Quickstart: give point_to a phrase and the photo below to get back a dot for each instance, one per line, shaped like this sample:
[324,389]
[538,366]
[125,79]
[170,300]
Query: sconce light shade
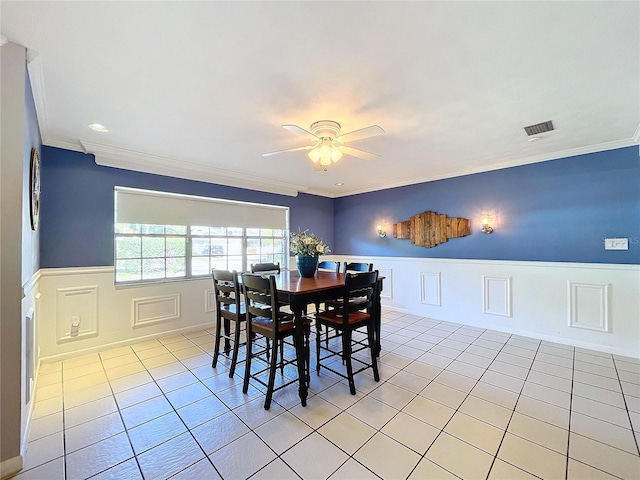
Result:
[486,224]
[381,231]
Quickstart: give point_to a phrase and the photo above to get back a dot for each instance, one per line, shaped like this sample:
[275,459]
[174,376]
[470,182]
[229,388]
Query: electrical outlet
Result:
[616,244]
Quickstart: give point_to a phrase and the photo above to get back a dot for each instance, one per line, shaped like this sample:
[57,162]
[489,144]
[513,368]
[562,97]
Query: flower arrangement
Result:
[308,244]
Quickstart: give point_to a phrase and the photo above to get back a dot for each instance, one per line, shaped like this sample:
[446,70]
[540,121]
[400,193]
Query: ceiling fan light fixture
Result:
[314,155]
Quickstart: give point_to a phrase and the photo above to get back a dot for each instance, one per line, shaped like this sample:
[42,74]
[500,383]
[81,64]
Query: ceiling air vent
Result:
[539,128]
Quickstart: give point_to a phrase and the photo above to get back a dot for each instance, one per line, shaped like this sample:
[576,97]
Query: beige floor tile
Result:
[372,412]
[532,457]
[201,411]
[99,456]
[52,469]
[317,412]
[494,394]
[276,469]
[199,470]
[543,411]
[411,432]
[144,411]
[283,432]
[539,432]
[92,432]
[455,380]
[443,394]
[170,457]
[447,451]
[347,432]
[125,370]
[603,457]
[115,352]
[392,395]
[475,432]
[45,426]
[127,469]
[233,462]
[47,407]
[120,360]
[79,397]
[219,432]
[604,432]
[580,471]
[43,450]
[349,470]
[428,411]
[386,457]
[138,394]
[314,457]
[486,411]
[502,470]
[89,411]
[156,431]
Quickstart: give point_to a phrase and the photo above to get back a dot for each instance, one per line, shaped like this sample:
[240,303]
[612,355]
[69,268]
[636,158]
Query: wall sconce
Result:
[486,224]
[381,231]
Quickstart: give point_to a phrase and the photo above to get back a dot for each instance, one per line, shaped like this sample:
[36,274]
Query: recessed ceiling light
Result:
[98,127]
[339,184]
[534,139]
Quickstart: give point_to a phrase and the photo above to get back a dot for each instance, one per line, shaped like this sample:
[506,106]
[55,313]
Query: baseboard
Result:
[10,467]
[124,343]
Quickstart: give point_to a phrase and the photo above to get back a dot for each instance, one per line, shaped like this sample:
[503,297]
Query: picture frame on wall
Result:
[34,188]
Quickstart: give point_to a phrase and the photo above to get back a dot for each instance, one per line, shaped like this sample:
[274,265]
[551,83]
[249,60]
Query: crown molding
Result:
[130,160]
[636,135]
[36,78]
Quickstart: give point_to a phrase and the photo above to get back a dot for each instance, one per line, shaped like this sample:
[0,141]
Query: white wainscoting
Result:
[526,298]
[123,314]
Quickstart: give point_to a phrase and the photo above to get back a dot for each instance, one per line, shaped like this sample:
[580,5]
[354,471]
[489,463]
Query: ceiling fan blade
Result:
[308,147]
[356,152]
[366,132]
[300,131]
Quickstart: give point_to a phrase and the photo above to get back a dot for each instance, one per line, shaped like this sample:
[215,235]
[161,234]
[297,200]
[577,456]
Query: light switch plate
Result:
[616,244]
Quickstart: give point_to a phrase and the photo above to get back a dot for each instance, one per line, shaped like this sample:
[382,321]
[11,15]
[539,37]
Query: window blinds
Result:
[161,208]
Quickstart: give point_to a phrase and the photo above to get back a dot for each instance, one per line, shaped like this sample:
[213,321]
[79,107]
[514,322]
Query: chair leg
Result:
[372,348]
[346,355]
[227,333]
[318,341]
[216,348]
[236,347]
[272,375]
[247,365]
[307,349]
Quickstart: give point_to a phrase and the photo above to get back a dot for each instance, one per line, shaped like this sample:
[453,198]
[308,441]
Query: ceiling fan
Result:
[328,145]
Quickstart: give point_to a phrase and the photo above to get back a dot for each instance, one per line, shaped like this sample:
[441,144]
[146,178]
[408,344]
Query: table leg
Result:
[301,354]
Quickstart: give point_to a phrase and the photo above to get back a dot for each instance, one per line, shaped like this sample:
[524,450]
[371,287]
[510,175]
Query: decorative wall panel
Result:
[430,289]
[77,313]
[209,301]
[387,283]
[588,306]
[152,310]
[497,295]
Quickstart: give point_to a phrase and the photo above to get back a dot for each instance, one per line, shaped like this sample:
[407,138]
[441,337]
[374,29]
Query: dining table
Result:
[298,292]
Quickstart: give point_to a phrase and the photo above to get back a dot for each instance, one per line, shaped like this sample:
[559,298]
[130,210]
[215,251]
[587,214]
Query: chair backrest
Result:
[360,287]
[328,266]
[227,291]
[357,267]
[260,296]
[265,267]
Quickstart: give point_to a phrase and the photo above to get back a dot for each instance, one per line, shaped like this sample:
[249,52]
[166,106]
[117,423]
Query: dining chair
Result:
[356,312]
[357,267]
[264,318]
[265,268]
[327,266]
[229,308]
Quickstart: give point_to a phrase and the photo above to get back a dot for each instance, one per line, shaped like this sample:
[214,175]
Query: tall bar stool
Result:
[355,312]
[265,319]
[229,308]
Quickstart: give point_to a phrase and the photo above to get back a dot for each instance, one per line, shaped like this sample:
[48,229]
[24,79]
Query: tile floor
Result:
[453,402]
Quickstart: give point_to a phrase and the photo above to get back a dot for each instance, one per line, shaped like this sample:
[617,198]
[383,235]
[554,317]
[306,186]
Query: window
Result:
[181,247]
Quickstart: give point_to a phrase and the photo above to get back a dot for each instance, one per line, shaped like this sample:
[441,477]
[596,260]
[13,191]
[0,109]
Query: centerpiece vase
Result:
[307,265]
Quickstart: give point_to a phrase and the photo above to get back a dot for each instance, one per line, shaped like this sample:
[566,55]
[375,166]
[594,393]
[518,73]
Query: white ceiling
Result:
[199,89]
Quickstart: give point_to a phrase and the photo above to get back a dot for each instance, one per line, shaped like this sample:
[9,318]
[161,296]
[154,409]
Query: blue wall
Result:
[556,211]
[77,206]
[30,238]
